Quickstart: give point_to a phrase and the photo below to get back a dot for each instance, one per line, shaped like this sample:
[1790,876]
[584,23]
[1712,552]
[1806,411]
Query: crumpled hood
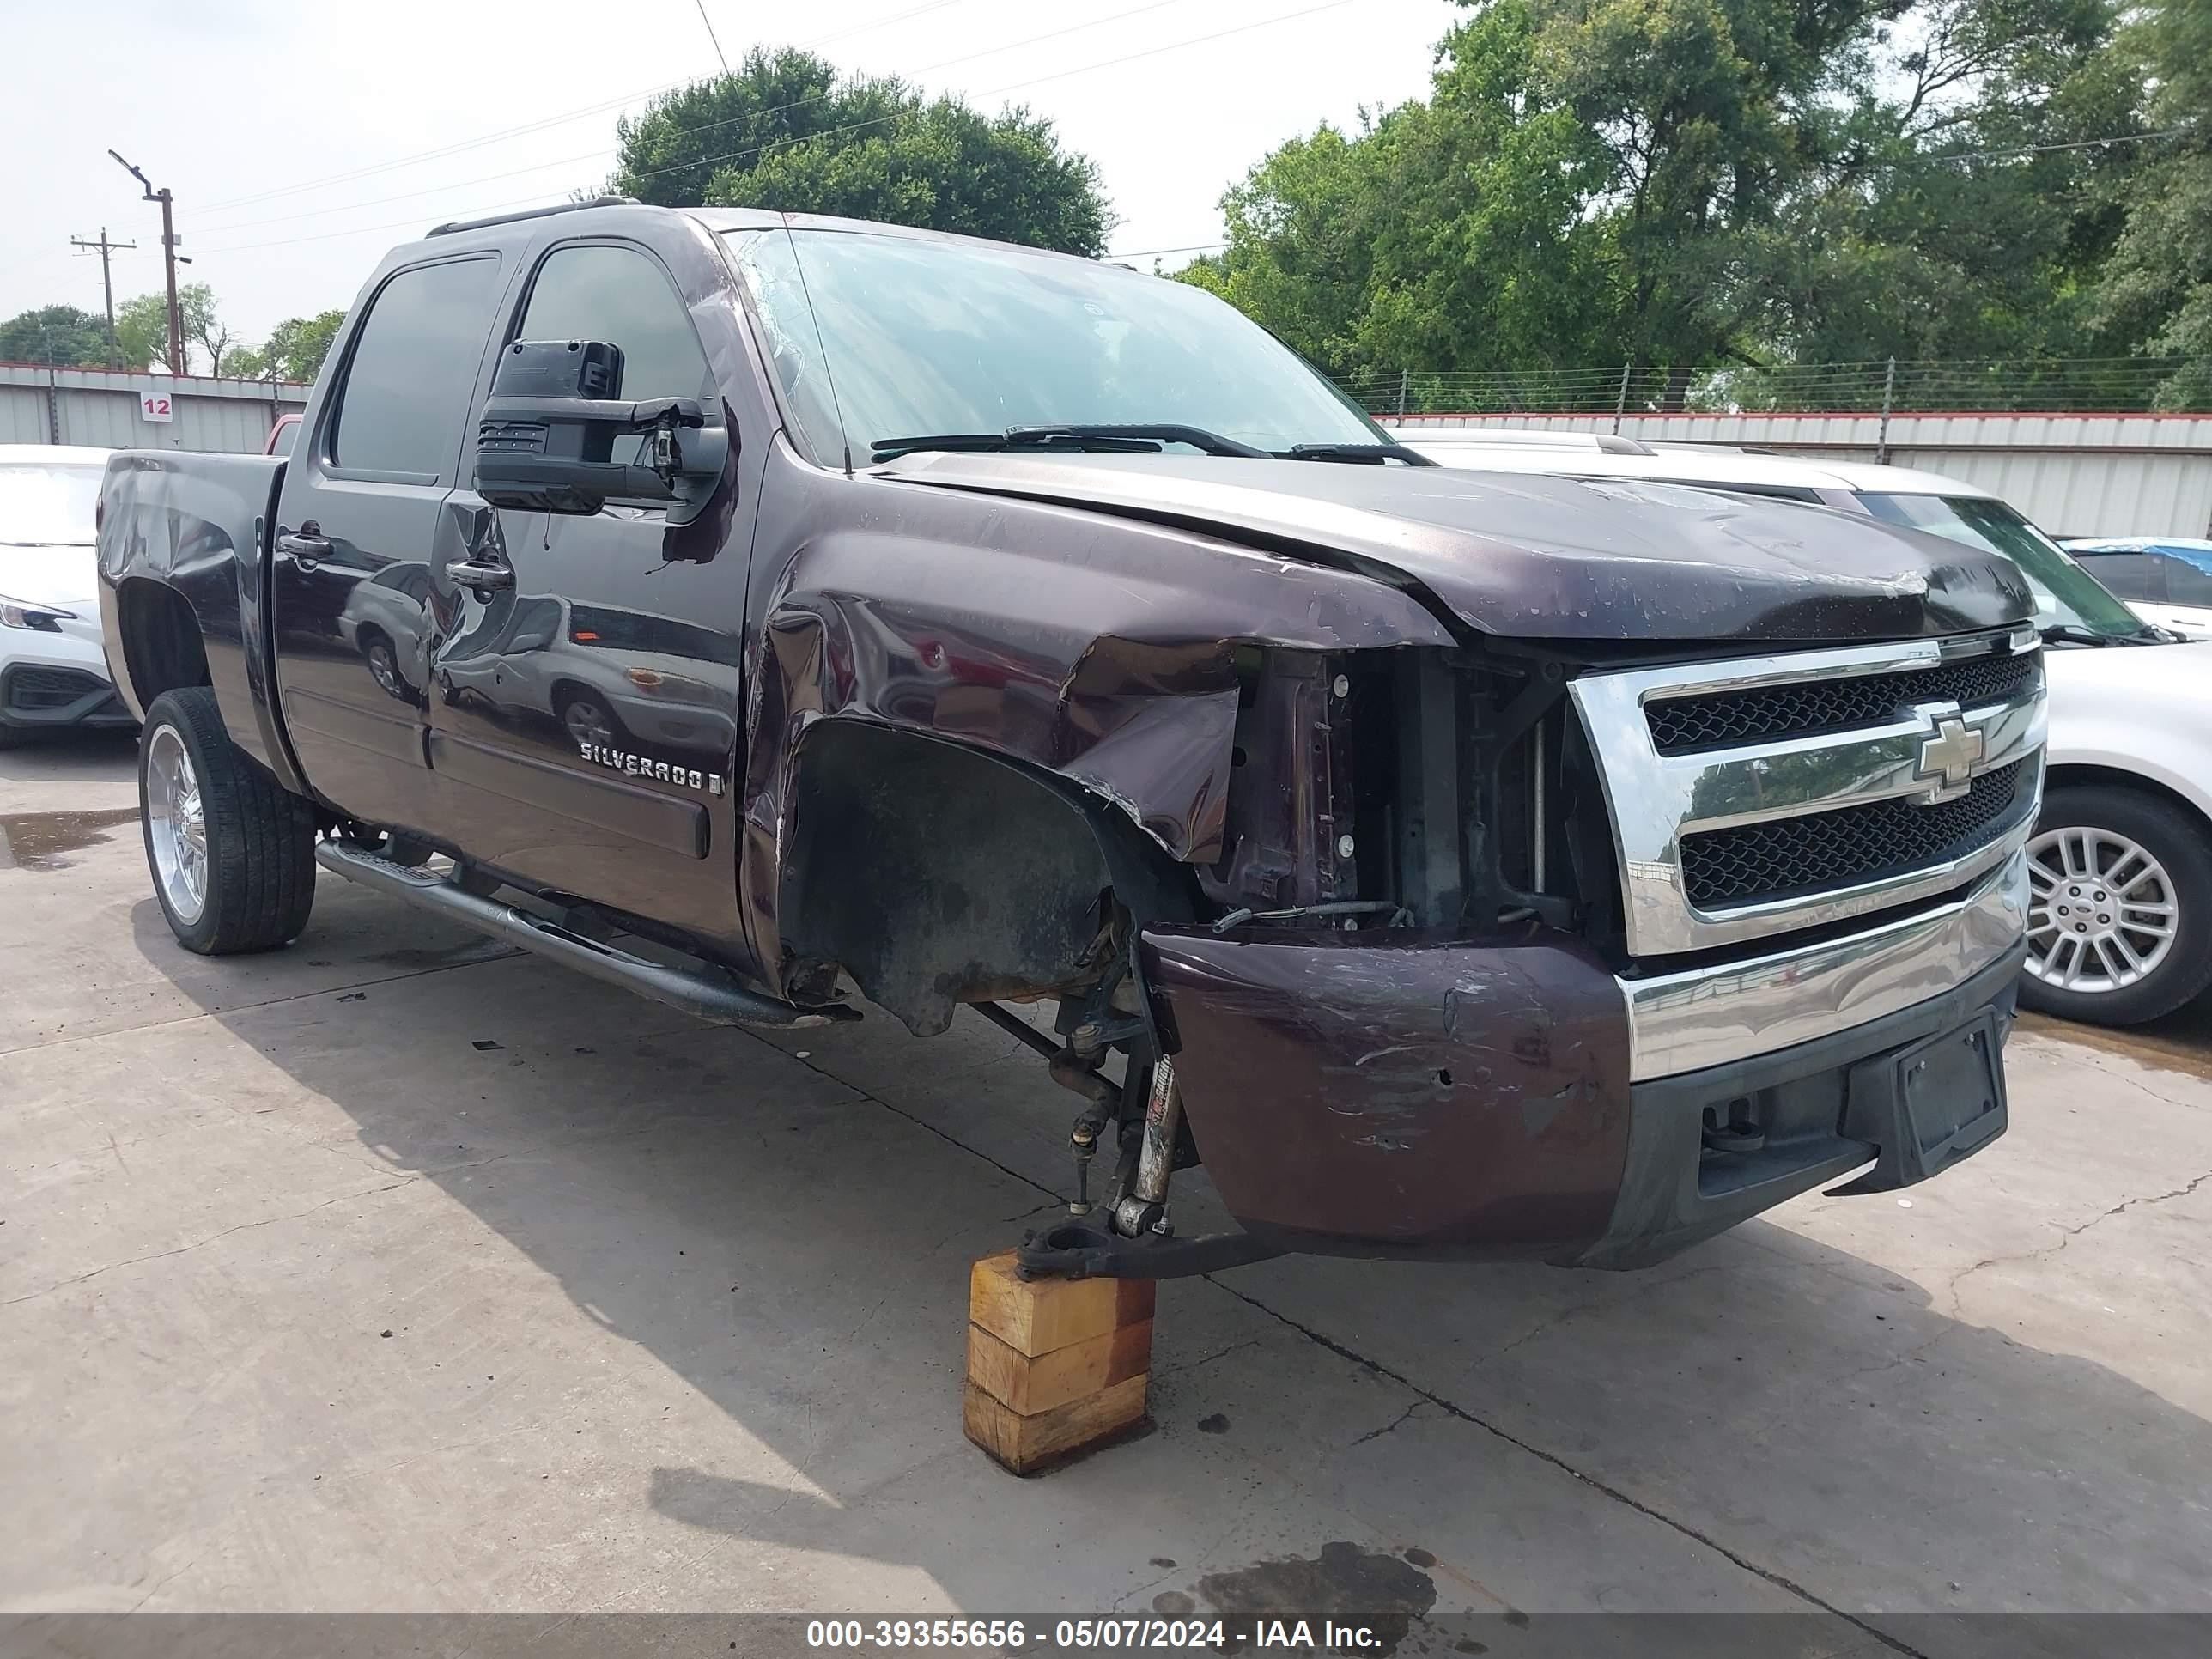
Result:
[66,578]
[1546,558]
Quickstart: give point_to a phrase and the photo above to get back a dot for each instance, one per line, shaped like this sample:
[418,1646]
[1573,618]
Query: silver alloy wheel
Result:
[588,723]
[176,825]
[2101,914]
[384,669]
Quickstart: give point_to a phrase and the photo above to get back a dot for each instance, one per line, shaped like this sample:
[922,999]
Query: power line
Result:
[752,115]
[853,126]
[711,41]
[540,125]
[993,91]
[2046,149]
[1157,252]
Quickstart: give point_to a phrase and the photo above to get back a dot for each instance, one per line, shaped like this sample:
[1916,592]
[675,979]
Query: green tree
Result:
[2157,295]
[786,132]
[54,334]
[1702,184]
[297,346]
[142,325]
[1949,220]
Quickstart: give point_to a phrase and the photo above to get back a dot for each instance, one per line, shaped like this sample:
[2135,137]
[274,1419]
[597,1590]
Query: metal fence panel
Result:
[101,408]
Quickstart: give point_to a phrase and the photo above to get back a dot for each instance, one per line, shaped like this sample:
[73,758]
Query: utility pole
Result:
[1888,399]
[106,285]
[169,261]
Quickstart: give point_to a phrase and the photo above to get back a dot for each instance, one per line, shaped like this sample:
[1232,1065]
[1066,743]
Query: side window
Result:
[2188,579]
[406,393]
[2130,575]
[588,292]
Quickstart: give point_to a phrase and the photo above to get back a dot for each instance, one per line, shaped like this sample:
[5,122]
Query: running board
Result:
[703,992]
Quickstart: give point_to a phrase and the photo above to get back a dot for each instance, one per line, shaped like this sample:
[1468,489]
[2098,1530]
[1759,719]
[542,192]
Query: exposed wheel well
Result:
[565,692]
[2111,777]
[936,875]
[162,646]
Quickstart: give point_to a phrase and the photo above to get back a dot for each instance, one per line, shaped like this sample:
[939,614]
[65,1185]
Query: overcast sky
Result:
[295,134]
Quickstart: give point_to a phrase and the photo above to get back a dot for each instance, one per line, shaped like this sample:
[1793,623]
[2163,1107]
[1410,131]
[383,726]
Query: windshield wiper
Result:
[1141,439]
[1372,454]
[2076,633]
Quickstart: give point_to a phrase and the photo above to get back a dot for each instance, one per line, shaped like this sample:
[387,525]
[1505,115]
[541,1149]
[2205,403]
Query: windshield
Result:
[2065,593]
[43,505]
[925,337]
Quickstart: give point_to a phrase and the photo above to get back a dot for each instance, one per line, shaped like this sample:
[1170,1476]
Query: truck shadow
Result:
[793,1247]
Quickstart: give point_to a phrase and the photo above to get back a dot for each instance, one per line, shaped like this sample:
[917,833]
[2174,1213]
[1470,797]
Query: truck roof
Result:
[611,212]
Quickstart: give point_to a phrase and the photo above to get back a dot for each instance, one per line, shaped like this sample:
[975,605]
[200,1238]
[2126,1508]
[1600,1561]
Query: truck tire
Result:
[232,854]
[2120,907]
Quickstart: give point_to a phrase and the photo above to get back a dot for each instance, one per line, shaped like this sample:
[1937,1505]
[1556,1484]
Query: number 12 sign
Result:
[154,406]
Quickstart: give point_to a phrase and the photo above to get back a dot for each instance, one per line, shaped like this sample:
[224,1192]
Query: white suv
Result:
[2120,922]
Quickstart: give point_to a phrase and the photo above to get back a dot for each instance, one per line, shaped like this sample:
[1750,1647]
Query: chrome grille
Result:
[1752,796]
[1782,857]
[1682,726]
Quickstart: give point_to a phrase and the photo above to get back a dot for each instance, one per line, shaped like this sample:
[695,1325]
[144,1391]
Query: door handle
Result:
[308,544]
[479,575]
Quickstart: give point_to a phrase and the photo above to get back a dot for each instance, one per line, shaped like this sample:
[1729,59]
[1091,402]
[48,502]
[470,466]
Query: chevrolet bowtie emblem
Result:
[1947,759]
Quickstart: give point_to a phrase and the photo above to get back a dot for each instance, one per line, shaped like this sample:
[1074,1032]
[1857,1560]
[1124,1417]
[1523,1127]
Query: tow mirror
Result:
[556,421]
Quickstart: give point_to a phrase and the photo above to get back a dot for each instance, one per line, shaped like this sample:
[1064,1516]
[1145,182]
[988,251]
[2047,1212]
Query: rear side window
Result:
[407,389]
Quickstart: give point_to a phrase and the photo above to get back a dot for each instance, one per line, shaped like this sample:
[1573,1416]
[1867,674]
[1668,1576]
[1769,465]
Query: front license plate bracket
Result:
[1926,1107]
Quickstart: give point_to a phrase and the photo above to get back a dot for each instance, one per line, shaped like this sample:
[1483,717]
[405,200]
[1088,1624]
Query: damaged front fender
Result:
[1099,650]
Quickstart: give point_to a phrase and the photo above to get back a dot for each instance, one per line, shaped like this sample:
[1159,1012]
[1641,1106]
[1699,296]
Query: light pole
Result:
[169,261]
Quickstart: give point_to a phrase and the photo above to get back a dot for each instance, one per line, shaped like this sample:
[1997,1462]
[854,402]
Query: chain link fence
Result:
[2077,386]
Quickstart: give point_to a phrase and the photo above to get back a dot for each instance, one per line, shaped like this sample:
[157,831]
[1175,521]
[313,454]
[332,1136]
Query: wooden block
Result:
[1028,1443]
[1027,1386]
[1037,1315]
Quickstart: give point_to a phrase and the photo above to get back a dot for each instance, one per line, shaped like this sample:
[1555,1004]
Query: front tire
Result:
[231,852]
[2119,927]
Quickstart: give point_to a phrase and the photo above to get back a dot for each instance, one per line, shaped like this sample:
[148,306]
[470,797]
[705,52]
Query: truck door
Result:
[361,524]
[585,717]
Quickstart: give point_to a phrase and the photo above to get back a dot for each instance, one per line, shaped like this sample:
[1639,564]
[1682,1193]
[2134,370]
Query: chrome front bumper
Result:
[1685,1021]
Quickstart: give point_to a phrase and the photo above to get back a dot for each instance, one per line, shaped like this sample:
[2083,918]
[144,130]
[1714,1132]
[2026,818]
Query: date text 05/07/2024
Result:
[1017,1635]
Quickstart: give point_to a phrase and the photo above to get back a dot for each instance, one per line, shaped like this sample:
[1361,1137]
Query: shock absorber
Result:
[1145,1208]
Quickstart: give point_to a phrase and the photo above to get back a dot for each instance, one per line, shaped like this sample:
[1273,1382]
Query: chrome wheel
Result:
[2101,910]
[176,825]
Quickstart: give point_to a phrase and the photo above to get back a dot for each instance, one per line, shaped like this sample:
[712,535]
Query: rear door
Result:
[362,523]
[586,719]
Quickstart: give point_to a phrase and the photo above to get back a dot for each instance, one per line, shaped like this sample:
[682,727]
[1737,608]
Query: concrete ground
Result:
[399,1271]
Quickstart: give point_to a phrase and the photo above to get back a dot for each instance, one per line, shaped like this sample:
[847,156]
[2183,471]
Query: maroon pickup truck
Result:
[767,614]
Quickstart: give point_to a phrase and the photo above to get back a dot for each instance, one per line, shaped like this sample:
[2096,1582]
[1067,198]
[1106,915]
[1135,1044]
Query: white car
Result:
[53,670]
[2120,919]
[2167,580]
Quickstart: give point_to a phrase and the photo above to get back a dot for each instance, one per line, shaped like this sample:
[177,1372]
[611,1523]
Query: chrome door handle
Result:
[479,576]
[308,544]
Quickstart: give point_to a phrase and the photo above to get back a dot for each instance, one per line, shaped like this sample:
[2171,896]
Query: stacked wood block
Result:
[1055,1367]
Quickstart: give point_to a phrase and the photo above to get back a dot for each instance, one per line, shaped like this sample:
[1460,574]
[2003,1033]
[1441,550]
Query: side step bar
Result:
[703,993]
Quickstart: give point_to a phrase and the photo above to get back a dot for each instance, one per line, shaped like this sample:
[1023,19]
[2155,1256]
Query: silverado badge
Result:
[638,766]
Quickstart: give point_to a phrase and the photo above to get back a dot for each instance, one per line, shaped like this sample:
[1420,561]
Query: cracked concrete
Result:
[676,1318]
